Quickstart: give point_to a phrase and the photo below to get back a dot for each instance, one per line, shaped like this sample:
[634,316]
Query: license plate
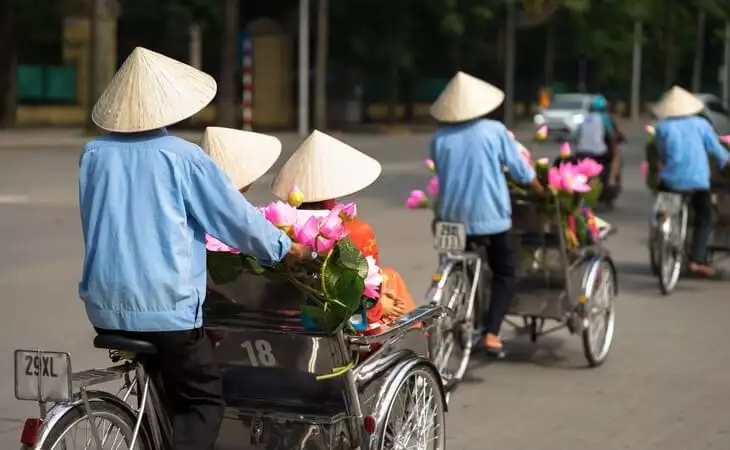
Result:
[449,237]
[43,376]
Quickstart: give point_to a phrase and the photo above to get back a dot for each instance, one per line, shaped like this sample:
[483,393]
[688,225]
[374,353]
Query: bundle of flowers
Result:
[577,187]
[338,282]
[419,199]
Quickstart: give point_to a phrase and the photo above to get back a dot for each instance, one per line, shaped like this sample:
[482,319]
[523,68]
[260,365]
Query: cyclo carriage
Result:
[285,386]
[559,278]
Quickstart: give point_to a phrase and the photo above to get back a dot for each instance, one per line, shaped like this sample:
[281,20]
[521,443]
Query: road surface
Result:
[665,385]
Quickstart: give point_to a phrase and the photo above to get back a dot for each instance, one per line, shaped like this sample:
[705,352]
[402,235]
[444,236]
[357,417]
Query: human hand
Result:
[391,305]
[297,253]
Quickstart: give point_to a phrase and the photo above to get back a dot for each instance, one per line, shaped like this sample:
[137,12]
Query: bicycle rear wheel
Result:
[115,427]
[671,242]
[451,339]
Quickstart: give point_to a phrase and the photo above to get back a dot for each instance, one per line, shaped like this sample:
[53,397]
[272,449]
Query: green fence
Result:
[46,85]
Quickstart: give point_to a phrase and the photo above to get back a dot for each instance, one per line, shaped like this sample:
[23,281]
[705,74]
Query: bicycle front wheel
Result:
[114,426]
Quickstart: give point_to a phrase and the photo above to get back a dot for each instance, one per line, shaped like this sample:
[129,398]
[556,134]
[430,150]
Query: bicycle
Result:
[668,239]
[454,285]
[144,426]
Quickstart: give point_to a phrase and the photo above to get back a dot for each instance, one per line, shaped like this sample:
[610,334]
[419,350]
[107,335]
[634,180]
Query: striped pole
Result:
[247,80]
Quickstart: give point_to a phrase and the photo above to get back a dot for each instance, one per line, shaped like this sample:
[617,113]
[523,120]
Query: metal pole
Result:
[303,67]
[636,72]
[726,69]
[509,70]
[95,59]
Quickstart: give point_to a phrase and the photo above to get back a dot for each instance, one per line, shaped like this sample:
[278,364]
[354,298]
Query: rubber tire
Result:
[436,335]
[79,412]
[585,334]
[427,373]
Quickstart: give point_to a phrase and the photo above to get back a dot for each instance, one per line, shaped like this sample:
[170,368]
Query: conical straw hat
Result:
[152,91]
[324,168]
[466,98]
[678,102]
[243,155]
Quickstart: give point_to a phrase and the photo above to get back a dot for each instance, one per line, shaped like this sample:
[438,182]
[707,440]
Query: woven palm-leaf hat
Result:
[466,98]
[325,168]
[244,156]
[152,91]
[677,102]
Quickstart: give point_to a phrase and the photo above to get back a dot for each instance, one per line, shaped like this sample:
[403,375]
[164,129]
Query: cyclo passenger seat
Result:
[121,343]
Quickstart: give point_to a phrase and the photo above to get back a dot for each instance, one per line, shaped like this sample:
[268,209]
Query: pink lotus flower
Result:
[725,139]
[307,233]
[349,210]
[373,280]
[433,186]
[332,226]
[510,134]
[554,179]
[430,165]
[542,133]
[589,168]
[565,150]
[644,169]
[281,214]
[650,130]
[296,197]
[571,180]
[322,245]
[416,199]
[214,245]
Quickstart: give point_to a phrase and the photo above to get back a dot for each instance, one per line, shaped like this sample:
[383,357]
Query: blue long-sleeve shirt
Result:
[684,144]
[146,202]
[472,188]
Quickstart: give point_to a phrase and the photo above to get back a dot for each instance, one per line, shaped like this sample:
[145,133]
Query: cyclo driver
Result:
[684,140]
[146,200]
[469,152]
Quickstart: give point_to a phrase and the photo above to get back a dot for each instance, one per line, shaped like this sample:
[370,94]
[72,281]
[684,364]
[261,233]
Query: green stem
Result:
[324,270]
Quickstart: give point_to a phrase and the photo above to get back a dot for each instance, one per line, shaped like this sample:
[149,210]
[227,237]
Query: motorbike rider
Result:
[146,201]
[684,141]
[469,152]
[598,139]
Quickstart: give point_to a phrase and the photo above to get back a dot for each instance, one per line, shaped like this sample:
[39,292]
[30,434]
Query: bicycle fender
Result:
[60,409]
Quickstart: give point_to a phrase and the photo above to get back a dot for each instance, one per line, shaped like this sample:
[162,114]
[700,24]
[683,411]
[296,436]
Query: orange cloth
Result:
[395,287]
[363,236]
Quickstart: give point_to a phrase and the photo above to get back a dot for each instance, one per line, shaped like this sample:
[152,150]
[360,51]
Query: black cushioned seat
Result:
[115,342]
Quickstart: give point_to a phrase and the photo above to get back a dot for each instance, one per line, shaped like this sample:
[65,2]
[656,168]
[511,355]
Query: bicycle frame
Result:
[149,412]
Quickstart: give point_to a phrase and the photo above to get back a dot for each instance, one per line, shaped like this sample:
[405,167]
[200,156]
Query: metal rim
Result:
[104,421]
[452,335]
[415,417]
[671,250]
[601,316]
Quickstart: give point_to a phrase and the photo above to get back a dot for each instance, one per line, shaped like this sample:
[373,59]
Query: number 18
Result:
[259,353]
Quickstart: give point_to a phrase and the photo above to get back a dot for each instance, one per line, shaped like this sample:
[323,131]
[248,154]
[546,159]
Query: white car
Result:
[718,115]
[565,114]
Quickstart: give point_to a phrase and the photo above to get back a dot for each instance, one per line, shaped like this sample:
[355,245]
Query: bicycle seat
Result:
[114,342]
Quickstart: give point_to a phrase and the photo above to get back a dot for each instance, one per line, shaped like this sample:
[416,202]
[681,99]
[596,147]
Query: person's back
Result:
[684,144]
[142,247]
[469,161]
[592,134]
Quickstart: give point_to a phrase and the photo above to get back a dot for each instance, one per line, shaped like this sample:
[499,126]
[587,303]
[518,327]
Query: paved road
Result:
[664,387]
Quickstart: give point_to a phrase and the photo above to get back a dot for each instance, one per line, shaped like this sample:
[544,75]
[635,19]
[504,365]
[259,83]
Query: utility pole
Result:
[509,70]
[726,69]
[303,67]
[95,60]
[636,72]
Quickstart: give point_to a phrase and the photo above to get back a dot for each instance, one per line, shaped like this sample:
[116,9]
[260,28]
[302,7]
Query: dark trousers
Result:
[701,203]
[191,383]
[496,251]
